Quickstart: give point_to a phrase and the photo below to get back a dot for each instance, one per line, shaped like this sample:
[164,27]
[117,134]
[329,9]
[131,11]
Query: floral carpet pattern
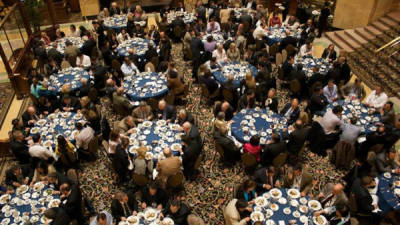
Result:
[213,187]
[5,98]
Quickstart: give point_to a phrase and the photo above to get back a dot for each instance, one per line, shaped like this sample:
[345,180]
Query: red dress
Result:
[275,21]
[255,150]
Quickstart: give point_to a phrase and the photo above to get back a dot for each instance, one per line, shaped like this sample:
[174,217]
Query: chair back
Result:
[235,190]
[273,49]
[140,180]
[178,32]
[295,86]
[353,203]
[290,50]
[284,55]
[116,65]
[175,181]
[120,110]
[94,54]
[280,73]
[153,103]
[279,160]
[204,91]
[155,61]
[149,67]
[92,94]
[93,145]
[249,160]
[65,64]
[170,98]
[219,149]
[278,59]
[228,95]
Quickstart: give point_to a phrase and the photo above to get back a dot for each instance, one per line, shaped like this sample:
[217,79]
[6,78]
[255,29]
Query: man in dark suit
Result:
[71,201]
[197,48]
[272,149]
[138,31]
[246,19]
[14,177]
[291,111]
[384,162]
[114,9]
[226,108]
[272,101]
[318,102]
[154,197]
[192,146]
[88,45]
[58,216]
[165,111]
[30,117]
[334,73]
[53,53]
[362,195]
[69,104]
[231,87]
[19,147]
[57,179]
[129,8]
[123,206]
[344,69]
[296,138]
[316,77]
[266,179]
[288,40]
[287,67]
[177,211]
[100,76]
[247,100]
[184,116]
[231,151]
[154,34]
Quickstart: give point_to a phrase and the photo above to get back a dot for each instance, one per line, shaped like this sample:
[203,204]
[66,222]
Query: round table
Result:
[249,122]
[217,36]
[61,123]
[148,216]
[77,41]
[310,62]
[277,34]
[353,108]
[116,22]
[145,85]
[187,17]
[140,45]
[156,135]
[277,205]
[238,69]
[388,184]
[30,201]
[70,76]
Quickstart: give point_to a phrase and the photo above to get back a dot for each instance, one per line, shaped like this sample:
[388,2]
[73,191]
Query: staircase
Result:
[360,45]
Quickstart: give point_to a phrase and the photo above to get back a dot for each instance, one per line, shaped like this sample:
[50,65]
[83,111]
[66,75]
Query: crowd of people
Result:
[245,38]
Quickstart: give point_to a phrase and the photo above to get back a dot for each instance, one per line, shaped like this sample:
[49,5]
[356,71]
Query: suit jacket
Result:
[114,11]
[288,40]
[363,197]
[196,46]
[121,101]
[73,204]
[296,139]
[61,217]
[189,118]
[120,161]
[318,102]
[117,210]
[175,85]
[169,166]
[383,164]
[261,178]
[305,184]
[232,215]
[11,178]
[332,55]
[389,117]
[100,77]
[271,151]
[192,136]
[26,117]
[56,55]
[71,52]
[327,191]
[139,114]
[287,69]
[169,112]
[161,197]
[273,106]
[228,113]
[75,105]
[293,116]
[180,217]
[227,144]
[20,151]
[88,46]
[210,83]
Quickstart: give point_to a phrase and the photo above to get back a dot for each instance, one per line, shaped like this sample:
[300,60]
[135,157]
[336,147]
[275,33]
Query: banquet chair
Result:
[343,154]
[149,67]
[116,66]
[295,87]
[93,146]
[175,181]
[120,110]
[249,162]
[290,50]
[273,50]
[170,98]
[364,219]
[65,64]
[284,55]
[278,59]
[72,175]
[153,103]
[155,61]
[179,98]
[140,180]
[227,95]
[219,149]
[34,100]
[279,160]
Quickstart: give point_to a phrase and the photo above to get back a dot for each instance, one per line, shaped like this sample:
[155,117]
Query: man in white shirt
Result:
[291,22]
[377,98]
[73,32]
[128,68]
[37,150]
[83,61]
[84,136]
[306,49]
[103,218]
[213,26]
[330,91]
[220,54]
[123,36]
[332,120]
[259,32]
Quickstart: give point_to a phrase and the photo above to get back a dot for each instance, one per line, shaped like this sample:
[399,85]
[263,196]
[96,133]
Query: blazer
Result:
[180,217]
[305,184]
[261,178]
[327,191]
[61,217]
[138,113]
[71,52]
[273,106]
[296,139]
[231,214]
[383,164]
[56,55]
[117,211]
[332,55]
[88,46]
[318,102]
[270,151]
[20,151]
[121,101]
[169,112]
[11,178]
[160,198]
[196,46]
[363,197]
[189,118]
[293,116]
[175,85]
[73,204]
[26,117]
[169,166]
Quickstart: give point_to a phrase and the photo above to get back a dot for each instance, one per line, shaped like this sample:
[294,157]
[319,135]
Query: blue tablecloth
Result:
[222,75]
[156,137]
[310,62]
[279,215]
[187,17]
[77,41]
[387,200]
[354,108]
[277,34]
[141,46]
[40,202]
[62,123]
[117,22]
[265,122]
[70,76]
[217,37]
[145,86]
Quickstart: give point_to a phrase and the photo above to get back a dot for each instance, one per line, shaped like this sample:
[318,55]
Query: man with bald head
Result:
[165,111]
[192,147]
[330,197]
[297,137]
[291,111]
[119,100]
[30,116]
[71,201]
[125,125]
[226,108]
[167,167]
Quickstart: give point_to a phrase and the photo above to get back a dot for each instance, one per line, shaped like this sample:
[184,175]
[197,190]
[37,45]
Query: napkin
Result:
[281,222]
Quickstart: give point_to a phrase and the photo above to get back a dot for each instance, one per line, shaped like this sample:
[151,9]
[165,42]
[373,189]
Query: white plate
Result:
[320,221]
[314,205]
[257,216]
[35,130]
[296,214]
[167,221]
[270,222]
[293,193]
[303,200]
[54,203]
[303,219]
[132,220]
[275,193]
[287,210]
[303,209]
[261,201]
[150,214]
[5,198]
[176,147]
[274,207]
[22,189]
[282,201]
[387,175]
[149,156]
[294,203]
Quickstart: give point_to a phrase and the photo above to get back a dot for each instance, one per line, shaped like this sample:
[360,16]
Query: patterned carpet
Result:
[213,188]
[6,96]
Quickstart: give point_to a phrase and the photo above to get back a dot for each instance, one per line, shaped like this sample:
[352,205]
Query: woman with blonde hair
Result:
[142,166]
[233,53]
[249,82]
[139,13]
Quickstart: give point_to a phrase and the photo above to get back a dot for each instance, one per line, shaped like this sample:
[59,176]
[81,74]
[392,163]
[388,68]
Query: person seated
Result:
[41,171]
[83,61]
[174,83]
[331,91]
[233,53]
[363,197]
[83,136]
[388,116]
[247,191]
[125,126]
[210,44]
[220,122]
[331,120]
[306,49]
[275,20]
[237,212]
[177,211]
[142,113]
[253,147]
[353,90]
[287,68]
[19,147]
[128,68]
[71,201]
[342,215]
[350,131]
[299,178]
[114,9]
[291,22]
[377,98]
[138,32]
[69,104]
[210,82]
[45,38]
[142,166]
[123,36]
[153,34]
[120,100]
[103,218]
[230,148]
[291,111]
[123,206]
[56,179]
[30,117]
[219,54]
[272,101]
[184,116]
[297,137]
[330,197]
[247,100]
[266,178]
[65,151]
[384,162]
[165,111]
[213,26]
[154,197]
[226,108]
[37,150]
[19,125]
[57,216]
[272,149]
[167,167]
[329,53]
[14,177]
[318,102]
